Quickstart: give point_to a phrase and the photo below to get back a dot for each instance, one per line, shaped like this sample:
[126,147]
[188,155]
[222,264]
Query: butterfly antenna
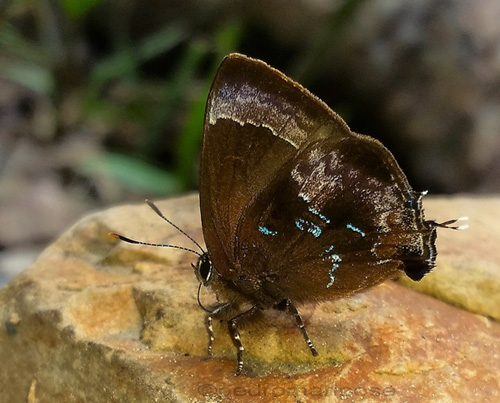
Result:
[130,240]
[447,224]
[199,302]
[157,211]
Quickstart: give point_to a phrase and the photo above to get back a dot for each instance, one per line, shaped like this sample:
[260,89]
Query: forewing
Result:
[256,121]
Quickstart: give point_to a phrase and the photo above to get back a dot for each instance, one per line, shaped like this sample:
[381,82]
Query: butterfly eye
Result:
[204,269]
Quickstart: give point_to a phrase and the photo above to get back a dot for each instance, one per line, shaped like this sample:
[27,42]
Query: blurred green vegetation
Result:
[43,47]
[99,73]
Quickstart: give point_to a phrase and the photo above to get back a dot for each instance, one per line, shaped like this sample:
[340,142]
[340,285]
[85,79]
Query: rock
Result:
[96,319]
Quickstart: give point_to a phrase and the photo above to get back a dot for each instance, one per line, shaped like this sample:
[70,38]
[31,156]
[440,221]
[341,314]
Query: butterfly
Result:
[295,206]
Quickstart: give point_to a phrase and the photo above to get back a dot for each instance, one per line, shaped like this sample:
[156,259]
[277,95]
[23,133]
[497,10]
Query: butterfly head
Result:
[203,269]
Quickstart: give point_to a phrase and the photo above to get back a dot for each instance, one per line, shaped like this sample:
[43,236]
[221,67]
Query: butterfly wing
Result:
[256,120]
[290,196]
[339,217]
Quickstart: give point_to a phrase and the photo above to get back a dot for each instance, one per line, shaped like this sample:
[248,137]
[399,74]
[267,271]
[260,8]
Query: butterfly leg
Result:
[286,305]
[216,312]
[235,335]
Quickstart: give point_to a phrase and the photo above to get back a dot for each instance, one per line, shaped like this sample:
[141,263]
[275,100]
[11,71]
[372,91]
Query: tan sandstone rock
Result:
[98,320]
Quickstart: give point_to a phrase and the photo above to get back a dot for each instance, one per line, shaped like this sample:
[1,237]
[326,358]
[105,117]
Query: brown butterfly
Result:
[295,206]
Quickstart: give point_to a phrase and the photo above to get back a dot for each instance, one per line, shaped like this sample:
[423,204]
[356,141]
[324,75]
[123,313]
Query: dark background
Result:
[102,101]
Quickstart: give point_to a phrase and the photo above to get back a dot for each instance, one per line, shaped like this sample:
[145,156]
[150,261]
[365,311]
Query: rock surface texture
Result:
[99,320]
